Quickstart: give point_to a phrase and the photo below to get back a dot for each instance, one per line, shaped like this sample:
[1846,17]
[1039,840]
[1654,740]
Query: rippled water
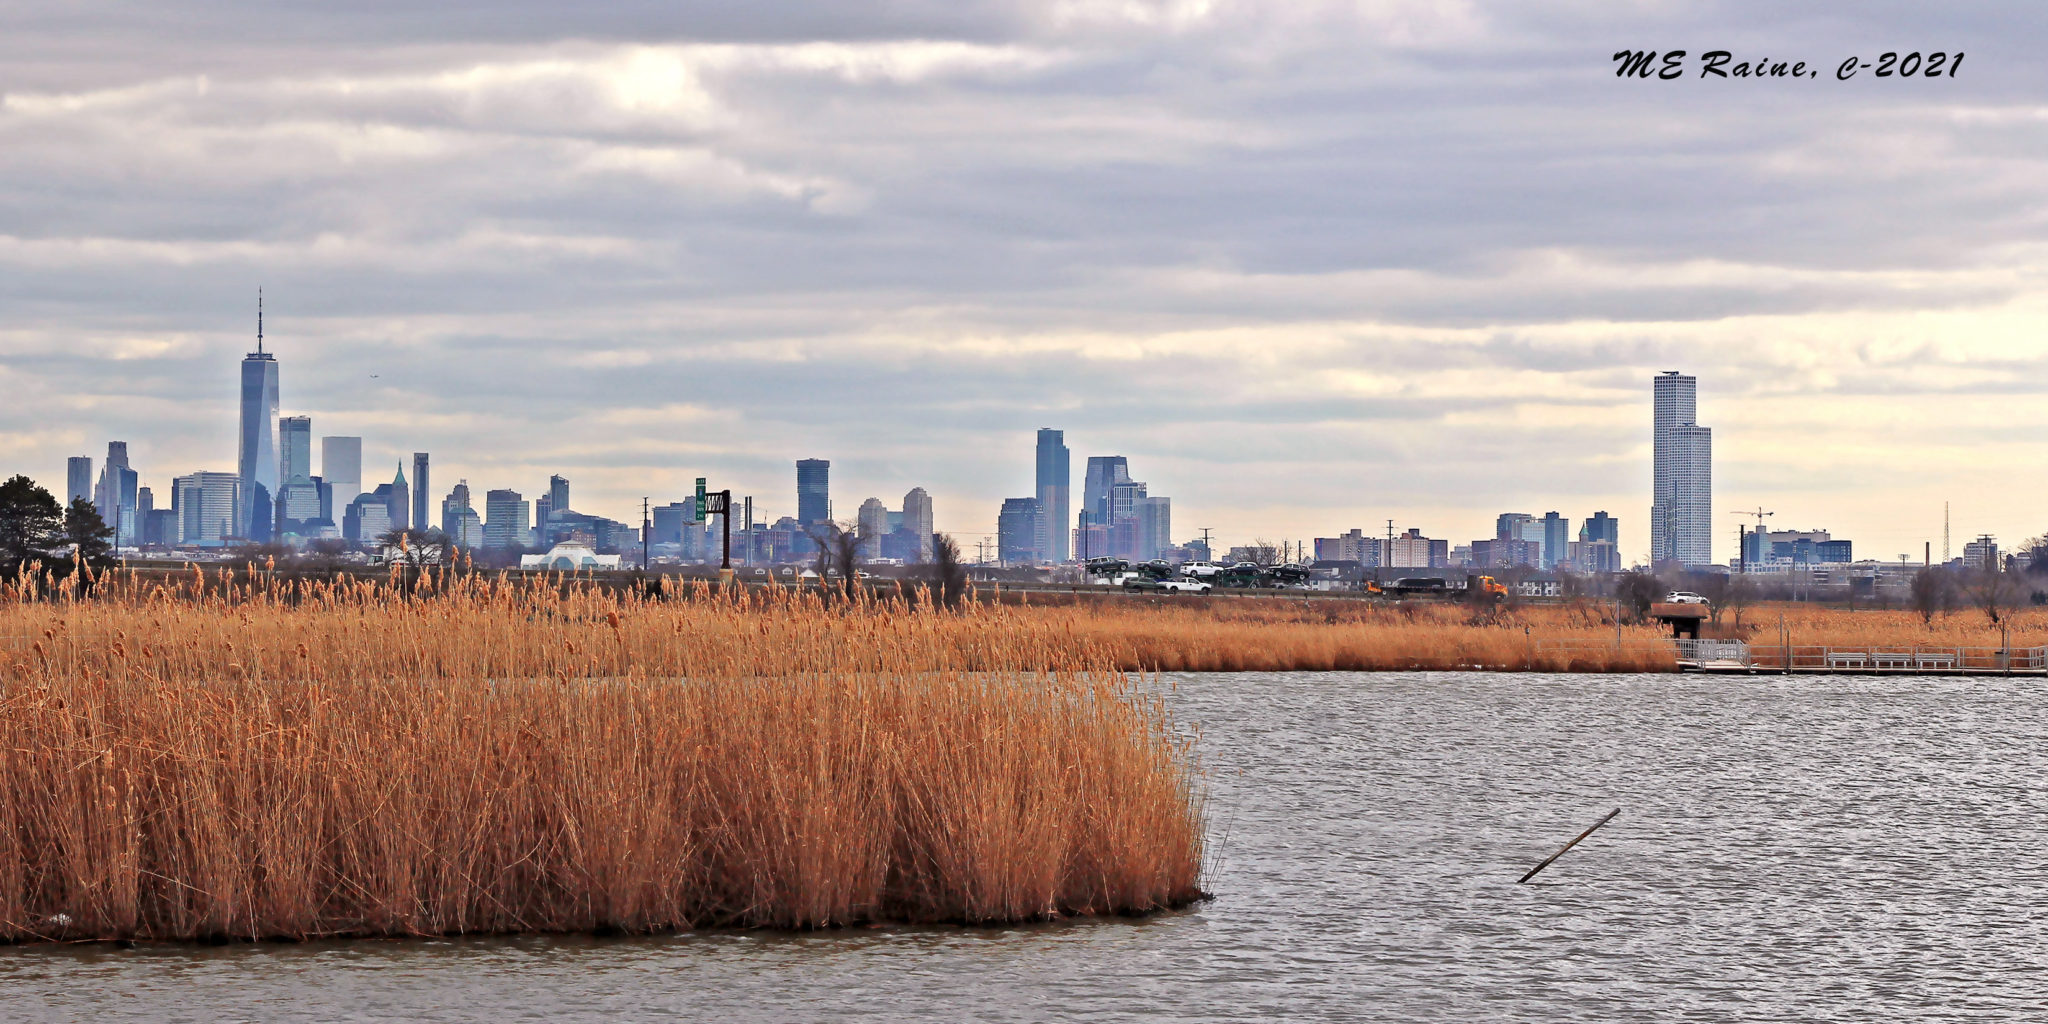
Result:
[1805,848]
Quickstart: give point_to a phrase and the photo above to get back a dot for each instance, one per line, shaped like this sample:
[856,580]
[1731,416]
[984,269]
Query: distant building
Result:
[1556,539]
[1593,556]
[206,505]
[459,520]
[1981,553]
[398,501]
[1154,515]
[505,522]
[1682,495]
[1354,547]
[870,525]
[257,462]
[78,478]
[341,467]
[813,492]
[1601,527]
[1017,531]
[114,496]
[569,556]
[917,520]
[1412,550]
[558,494]
[1762,549]
[1054,478]
[420,491]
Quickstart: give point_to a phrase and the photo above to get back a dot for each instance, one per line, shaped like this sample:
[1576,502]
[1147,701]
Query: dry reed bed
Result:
[1230,634]
[236,759]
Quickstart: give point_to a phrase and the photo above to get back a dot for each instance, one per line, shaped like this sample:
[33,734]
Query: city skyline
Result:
[1299,296]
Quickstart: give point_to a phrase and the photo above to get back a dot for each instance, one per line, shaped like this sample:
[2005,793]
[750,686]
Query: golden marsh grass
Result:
[230,757]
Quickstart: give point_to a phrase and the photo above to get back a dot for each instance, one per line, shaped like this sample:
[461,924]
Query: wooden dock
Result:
[1735,656]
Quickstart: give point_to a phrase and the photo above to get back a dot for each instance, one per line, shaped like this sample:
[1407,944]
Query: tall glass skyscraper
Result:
[257,464]
[78,478]
[813,491]
[419,492]
[1054,479]
[1682,497]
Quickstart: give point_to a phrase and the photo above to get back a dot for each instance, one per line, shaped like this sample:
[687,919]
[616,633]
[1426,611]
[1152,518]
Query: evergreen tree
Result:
[87,534]
[30,520]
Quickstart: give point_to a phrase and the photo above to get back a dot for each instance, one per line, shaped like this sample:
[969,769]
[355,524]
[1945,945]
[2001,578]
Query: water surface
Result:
[1788,848]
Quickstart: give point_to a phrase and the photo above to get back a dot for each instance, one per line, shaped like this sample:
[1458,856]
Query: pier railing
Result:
[1735,654]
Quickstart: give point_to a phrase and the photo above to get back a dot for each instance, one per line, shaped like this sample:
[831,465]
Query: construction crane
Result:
[1741,552]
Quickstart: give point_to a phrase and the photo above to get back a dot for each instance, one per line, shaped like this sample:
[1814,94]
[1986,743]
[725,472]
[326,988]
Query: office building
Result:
[341,468]
[917,520]
[206,505]
[870,526]
[294,449]
[368,518]
[1981,553]
[1154,516]
[1017,531]
[459,520]
[813,492]
[1354,546]
[1763,549]
[558,492]
[1054,479]
[1556,539]
[1412,550]
[77,478]
[418,519]
[397,501]
[114,496]
[1097,498]
[1601,527]
[1682,501]
[256,462]
[505,523]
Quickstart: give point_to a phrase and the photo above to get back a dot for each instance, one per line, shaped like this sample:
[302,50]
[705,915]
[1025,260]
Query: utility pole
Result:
[646,532]
[1211,556]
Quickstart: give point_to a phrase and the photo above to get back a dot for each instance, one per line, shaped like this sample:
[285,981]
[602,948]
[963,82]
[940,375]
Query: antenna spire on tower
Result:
[259,319]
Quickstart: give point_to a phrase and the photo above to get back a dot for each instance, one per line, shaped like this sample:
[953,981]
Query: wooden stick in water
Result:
[1567,846]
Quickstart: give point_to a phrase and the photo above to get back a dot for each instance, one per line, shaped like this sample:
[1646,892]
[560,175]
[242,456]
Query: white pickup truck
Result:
[1185,586]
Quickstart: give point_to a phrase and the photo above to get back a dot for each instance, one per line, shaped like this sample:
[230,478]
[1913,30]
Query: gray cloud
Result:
[1409,259]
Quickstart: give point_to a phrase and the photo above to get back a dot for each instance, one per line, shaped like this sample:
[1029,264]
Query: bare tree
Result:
[1997,592]
[948,574]
[415,547]
[838,555]
[1932,591]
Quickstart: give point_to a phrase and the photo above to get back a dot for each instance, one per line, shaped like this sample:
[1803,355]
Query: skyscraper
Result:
[256,465]
[504,519]
[871,524]
[917,518]
[558,493]
[1017,531]
[1104,473]
[399,503]
[1682,497]
[206,506]
[114,497]
[458,520]
[813,491]
[78,478]
[341,467]
[1054,480]
[295,449]
[1556,539]
[419,491]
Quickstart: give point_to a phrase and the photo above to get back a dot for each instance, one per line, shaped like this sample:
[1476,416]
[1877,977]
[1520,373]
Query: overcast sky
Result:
[1310,266]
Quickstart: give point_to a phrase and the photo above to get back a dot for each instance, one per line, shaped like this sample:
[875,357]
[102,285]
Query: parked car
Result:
[1684,597]
[1200,570]
[1137,582]
[1186,586]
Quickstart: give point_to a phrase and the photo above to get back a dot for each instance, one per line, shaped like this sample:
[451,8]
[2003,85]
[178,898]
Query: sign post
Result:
[718,503]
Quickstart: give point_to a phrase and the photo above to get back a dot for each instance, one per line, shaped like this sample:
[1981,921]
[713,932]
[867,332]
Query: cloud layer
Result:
[1310,266]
